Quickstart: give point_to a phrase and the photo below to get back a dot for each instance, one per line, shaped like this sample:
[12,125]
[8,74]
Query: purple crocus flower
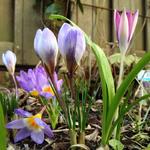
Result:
[71,43]
[36,82]
[31,125]
[45,45]
[125,24]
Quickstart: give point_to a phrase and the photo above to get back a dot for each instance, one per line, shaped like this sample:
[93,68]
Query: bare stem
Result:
[16,88]
[82,137]
[70,77]
[73,137]
[58,96]
[121,73]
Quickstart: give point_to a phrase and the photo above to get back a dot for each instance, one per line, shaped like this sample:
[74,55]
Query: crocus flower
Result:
[9,60]
[31,125]
[71,42]
[45,45]
[36,82]
[125,24]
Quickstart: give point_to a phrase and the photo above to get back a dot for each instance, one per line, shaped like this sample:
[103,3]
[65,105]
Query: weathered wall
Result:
[97,21]
[19,21]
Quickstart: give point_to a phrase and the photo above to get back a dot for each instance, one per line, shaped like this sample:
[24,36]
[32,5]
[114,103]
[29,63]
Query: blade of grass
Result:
[2,130]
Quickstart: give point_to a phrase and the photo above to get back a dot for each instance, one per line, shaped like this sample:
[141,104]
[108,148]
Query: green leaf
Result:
[115,144]
[129,59]
[126,109]
[2,130]
[124,87]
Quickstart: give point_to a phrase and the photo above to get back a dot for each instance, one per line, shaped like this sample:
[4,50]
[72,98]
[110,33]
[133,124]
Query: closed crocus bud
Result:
[45,45]
[9,60]
[71,42]
[125,24]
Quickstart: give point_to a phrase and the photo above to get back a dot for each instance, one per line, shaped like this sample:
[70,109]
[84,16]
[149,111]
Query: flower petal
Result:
[47,95]
[49,46]
[62,33]
[134,22]
[22,113]
[16,124]
[37,137]
[9,60]
[37,41]
[80,46]
[123,33]
[22,134]
[116,21]
[47,129]
[59,84]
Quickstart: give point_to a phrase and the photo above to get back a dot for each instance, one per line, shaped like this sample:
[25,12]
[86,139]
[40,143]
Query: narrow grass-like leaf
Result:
[123,88]
[126,109]
[2,130]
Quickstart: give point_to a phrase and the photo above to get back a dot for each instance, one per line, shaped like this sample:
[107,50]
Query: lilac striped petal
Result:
[47,129]
[134,22]
[40,122]
[80,46]
[41,78]
[61,37]
[123,32]
[37,41]
[22,113]
[116,21]
[37,137]
[32,76]
[49,49]
[9,60]
[59,84]
[22,134]
[130,22]
[47,95]
[16,124]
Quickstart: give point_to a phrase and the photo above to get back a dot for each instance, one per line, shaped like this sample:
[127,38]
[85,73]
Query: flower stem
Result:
[73,137]
[82,137]
[121,73]
[58,96]
[70,77]
[16,88]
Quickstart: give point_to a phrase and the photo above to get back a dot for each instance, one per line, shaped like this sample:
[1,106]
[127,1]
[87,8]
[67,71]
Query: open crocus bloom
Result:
[9,60]
[36,82]
[125,24]
[71,42]
[45,45]
[31,125]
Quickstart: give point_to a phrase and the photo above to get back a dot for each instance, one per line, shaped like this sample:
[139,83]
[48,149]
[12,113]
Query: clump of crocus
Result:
[71,42]
[45,45]
[125,24]
[9,60]
[36,82]
[31,125]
